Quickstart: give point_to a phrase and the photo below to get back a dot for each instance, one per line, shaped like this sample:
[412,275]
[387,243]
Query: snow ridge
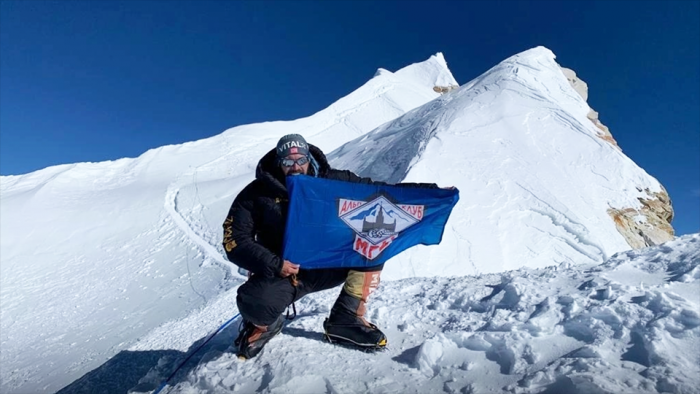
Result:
[212,252]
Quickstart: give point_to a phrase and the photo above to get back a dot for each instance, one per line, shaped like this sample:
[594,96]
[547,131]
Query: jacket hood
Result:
[269,172]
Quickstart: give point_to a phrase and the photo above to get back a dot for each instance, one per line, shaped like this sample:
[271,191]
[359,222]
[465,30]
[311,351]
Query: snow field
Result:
[630,325]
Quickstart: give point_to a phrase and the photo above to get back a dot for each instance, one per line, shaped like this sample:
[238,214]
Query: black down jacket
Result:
[254,227]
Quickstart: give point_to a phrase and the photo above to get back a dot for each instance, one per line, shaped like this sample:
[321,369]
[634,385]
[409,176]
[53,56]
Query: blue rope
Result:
[165,382]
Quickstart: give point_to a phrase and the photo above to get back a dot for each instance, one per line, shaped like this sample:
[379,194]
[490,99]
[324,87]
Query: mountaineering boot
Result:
[347,324]
[252,338]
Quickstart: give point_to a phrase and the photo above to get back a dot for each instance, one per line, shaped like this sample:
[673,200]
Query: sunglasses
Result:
[290,162]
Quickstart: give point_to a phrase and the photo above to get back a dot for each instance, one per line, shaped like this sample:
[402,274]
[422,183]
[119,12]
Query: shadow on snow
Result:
[144,371]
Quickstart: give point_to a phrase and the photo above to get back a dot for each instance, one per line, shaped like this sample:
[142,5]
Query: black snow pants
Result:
[262,300]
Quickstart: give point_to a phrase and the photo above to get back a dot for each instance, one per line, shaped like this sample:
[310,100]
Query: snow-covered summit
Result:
[433,71]
[536,180]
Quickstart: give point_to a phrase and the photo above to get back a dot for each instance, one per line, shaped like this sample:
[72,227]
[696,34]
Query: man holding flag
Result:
[329,240]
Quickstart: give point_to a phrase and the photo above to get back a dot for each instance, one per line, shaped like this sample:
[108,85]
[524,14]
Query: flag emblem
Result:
[377,223]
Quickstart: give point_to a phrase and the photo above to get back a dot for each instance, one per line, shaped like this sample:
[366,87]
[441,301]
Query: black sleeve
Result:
[239,240]
[349,176]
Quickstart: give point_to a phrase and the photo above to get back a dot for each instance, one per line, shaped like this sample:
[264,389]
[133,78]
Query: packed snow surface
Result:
[629,325]
[117,267]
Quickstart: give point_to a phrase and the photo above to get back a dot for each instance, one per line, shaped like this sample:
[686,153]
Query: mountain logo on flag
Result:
[377,223]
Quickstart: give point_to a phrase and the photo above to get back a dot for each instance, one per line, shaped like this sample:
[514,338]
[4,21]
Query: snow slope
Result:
[535,180]
[629,325]
[118,265]
[95,255]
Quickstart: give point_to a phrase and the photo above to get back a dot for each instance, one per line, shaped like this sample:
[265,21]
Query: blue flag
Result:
[342,224]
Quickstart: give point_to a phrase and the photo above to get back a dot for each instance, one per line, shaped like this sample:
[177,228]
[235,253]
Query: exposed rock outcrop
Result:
[581,87]
[444,89]
[648,226]
[651,224]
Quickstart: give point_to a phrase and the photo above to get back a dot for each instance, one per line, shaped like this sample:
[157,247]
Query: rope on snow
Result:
[165,382]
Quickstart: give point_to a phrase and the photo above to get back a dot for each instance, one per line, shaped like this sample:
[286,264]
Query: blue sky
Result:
[101,80]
